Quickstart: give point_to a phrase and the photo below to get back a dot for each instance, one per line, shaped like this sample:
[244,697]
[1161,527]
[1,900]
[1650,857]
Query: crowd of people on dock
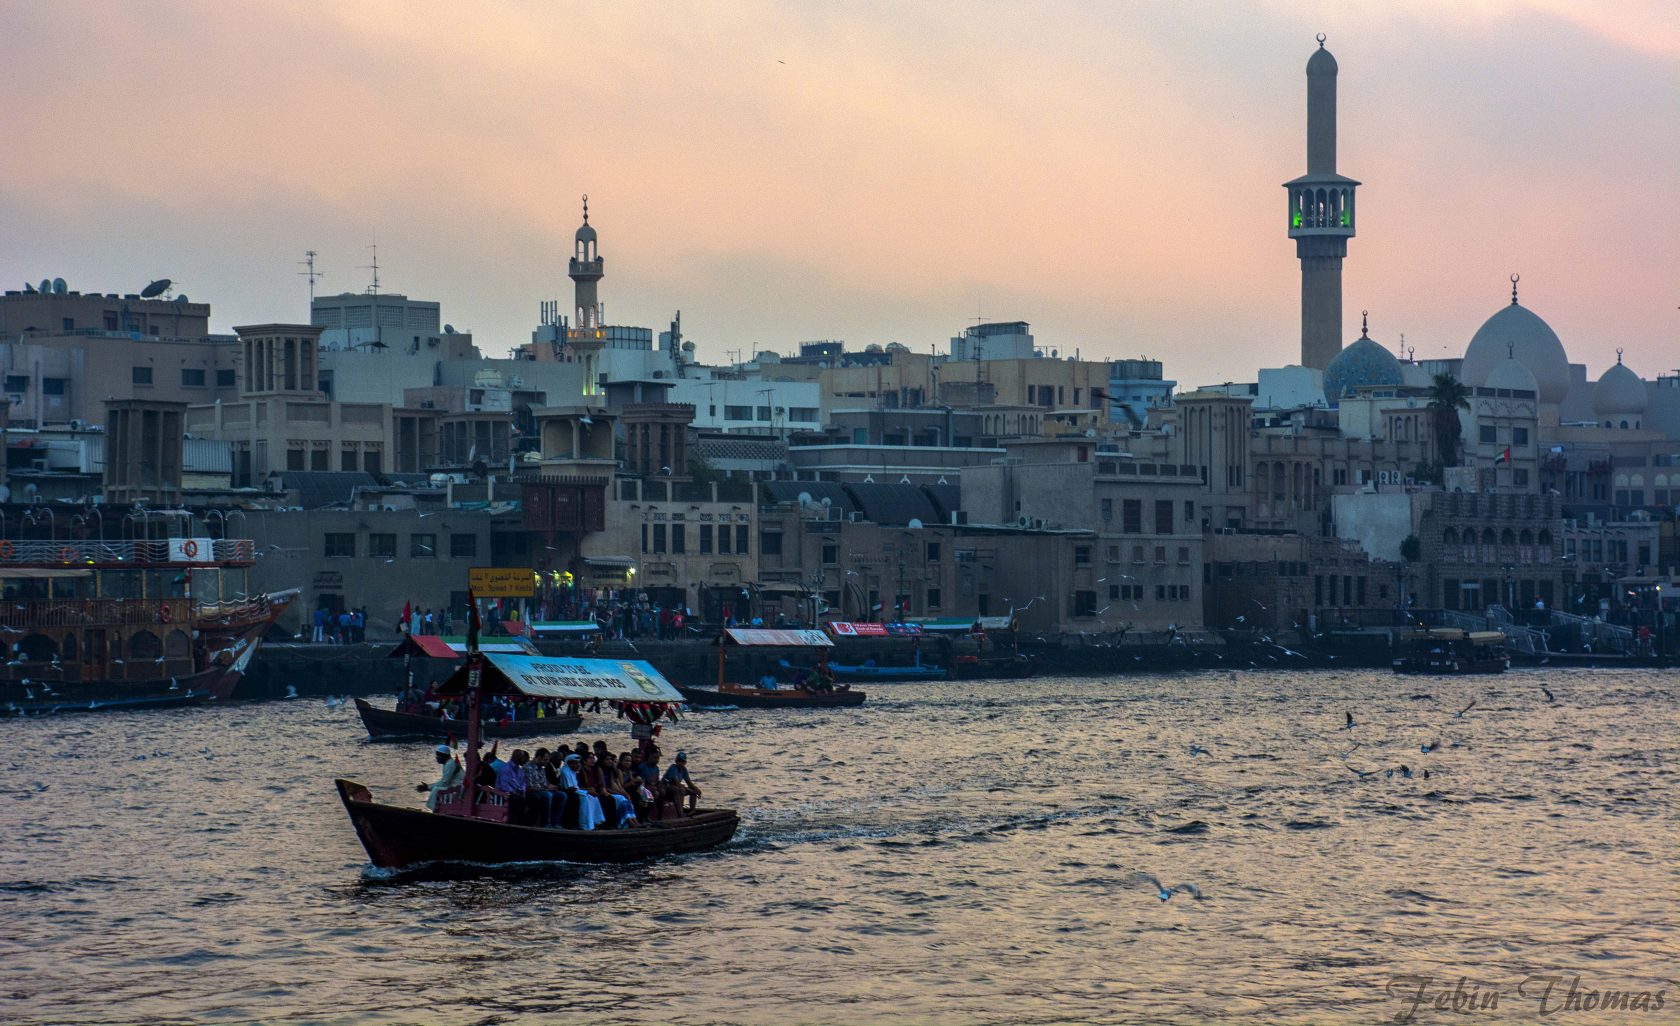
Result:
[581,788]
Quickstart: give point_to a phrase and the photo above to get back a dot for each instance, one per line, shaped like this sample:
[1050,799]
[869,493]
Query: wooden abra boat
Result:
[728,693]
[383,723]
[475,822]
[1450,650]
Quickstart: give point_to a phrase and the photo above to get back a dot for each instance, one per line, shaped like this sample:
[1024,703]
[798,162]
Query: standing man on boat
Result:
[451,778]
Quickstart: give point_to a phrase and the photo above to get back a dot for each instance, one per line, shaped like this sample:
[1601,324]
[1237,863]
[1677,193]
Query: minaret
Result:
[585,270]
[1321,218]
[584,338]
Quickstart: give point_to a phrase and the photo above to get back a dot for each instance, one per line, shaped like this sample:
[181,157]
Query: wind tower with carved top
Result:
[1321,218]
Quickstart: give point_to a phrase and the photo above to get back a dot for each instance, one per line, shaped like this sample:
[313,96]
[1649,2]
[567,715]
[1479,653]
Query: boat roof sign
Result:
[767,637]
[620,680]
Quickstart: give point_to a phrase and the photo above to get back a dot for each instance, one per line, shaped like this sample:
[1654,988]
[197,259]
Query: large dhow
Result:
[90,624]
[814,690]
[477,823]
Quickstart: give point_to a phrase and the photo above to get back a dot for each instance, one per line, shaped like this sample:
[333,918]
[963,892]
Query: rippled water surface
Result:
[950,853]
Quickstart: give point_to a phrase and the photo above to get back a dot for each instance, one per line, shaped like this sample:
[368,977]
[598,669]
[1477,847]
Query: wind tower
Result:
[585,338]
[1321,218]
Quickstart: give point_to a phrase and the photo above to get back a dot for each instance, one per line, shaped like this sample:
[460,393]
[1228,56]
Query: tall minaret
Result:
[585,270]
[1321,218]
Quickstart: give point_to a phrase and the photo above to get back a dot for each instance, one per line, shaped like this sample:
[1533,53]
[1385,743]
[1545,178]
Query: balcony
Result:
[183,552]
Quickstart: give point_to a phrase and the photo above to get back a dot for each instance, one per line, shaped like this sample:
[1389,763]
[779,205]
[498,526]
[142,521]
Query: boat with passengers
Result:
[92,623]
[476,822]
[814,690]
[1451,650]
[421,713]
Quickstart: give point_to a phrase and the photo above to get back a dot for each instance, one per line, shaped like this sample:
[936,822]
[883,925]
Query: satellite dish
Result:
[28,289]
[915,523]
[805,498]
[449,329]
[31,488]
[181,300]
[46,285]
[156,288]
[5,493]
[439,480]
[827,502]
[59,288]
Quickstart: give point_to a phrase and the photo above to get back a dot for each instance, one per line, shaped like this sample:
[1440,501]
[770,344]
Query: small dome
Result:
[1517,331]
[1619,393]
[1363,363]
[586,233]
[1512,375]
[1321,63]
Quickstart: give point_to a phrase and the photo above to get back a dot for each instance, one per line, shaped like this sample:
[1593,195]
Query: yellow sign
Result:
[501,582]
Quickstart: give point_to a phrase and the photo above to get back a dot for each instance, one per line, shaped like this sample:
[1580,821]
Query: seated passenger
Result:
[677,779]
[767,682]
[448,780]
[599,776]
[542,796]
[590,815]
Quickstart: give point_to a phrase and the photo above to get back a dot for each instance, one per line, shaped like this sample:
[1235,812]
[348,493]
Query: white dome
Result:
[1517,332]
[1512,375]
[1619,393]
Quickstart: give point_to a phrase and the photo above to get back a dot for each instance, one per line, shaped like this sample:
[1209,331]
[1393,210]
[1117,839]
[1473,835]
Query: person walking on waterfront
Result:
[430,623]
[320,619]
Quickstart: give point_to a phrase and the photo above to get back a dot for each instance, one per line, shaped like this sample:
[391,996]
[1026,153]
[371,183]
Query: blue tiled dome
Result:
[1363,363]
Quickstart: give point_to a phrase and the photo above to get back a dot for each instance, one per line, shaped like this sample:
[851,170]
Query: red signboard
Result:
[858,630]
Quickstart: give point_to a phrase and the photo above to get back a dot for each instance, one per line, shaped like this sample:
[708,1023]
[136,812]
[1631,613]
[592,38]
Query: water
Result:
[950,853]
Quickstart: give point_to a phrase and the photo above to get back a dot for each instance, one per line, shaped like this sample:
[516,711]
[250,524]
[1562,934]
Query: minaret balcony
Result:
[592,269]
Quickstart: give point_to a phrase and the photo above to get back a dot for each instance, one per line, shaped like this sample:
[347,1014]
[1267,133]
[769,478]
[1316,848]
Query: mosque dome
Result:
[1321,63]
[1363,363]
[1510,374]
[1619,392]
[1517,332]
[586,233]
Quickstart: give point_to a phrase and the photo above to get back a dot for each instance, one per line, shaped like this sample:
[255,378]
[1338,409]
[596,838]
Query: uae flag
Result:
[1507,456]
[472,622]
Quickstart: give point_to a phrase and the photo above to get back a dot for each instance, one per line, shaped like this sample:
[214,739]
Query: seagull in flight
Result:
[1460,714]
[1196,750]
[1356,771]
[1430,746]
[1405,773]
[1349,725]
[1356,746]
[1549,696]
[1164,893]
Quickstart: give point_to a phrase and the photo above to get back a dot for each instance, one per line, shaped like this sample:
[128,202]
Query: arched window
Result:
[144,645]
[1487,536]
[177,645]
[1526,537]
[37,648]
[1507,538]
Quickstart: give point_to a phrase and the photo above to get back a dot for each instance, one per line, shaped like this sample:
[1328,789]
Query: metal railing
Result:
[45,614]
[71,553]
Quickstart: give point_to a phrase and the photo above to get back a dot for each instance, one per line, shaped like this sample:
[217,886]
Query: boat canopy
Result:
[768,638]
[996,623]
[431,646]
[560,627]
[947,624]
[1487,637]
[866,629]
[619,680]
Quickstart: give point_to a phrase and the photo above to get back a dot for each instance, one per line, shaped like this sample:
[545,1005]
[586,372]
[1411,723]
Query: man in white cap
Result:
[450,779]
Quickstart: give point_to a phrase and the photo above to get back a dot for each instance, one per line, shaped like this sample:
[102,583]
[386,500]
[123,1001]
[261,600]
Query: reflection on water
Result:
[950,853]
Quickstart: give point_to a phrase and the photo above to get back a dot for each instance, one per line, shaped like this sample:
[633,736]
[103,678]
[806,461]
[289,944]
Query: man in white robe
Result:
[451,777]
[590,813]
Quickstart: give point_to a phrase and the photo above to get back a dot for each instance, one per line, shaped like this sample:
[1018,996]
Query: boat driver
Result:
[450,779]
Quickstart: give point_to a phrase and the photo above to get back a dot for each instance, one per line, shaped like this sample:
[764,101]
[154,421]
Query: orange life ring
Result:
[165,614]
[190,548]
[66,554]
[6,550]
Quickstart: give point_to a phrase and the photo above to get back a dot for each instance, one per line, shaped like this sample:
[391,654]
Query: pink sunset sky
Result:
[869,172]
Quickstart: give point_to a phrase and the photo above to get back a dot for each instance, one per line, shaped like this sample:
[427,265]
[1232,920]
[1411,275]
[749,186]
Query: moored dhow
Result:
[90,624]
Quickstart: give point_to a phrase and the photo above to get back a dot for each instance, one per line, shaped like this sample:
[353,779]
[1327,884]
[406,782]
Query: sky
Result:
[873,172]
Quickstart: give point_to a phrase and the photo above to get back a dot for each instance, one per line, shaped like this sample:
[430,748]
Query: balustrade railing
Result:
[92,551]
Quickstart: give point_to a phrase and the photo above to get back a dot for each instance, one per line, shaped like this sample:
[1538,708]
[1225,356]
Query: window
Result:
[318,459]
[644,539]
[933,598]
[347,460]
[1163,516]
[705,540]
[737,413]
[1519,477]
[1082,555]
[830,554]
[463,546]
[1340,476]
[1160,593]
[1114,553]
[294,459]
[1113,592]
[1107,510]
[770,543]
[1519,436]
[679,538]
[741,539]
[1184,555]
[340,545]
[422,546]
[764,413]
[1160,553]
[142,376]
[803,414]
[723,539]
[55,386]
[1189,513]
[382,546]
[1489,434]
[658,537]
[932,552]
[370,462]
[192,377]
[1137,553]
[225,379]
[1084,603]
[16,383]
[1131,516]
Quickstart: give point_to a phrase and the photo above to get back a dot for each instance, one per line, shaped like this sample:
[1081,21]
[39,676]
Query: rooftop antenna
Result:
[373,290]
[310,273]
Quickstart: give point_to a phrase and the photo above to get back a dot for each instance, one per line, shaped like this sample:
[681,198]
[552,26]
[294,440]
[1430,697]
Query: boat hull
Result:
[399,838]
[757,698]
[50,698]
[385,723]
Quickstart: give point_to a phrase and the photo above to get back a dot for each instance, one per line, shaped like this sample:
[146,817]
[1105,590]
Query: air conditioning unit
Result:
[1039,523]
[959,516]
[854,517]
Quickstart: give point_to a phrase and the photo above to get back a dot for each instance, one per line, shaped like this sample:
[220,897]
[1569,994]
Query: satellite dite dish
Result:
[449,329]
[156,289]
[915,523]
[805,498]
[59,287]
[46,285]
[181,300]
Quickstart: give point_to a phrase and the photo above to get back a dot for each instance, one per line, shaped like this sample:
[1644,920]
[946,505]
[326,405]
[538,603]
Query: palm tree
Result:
[1447,395]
